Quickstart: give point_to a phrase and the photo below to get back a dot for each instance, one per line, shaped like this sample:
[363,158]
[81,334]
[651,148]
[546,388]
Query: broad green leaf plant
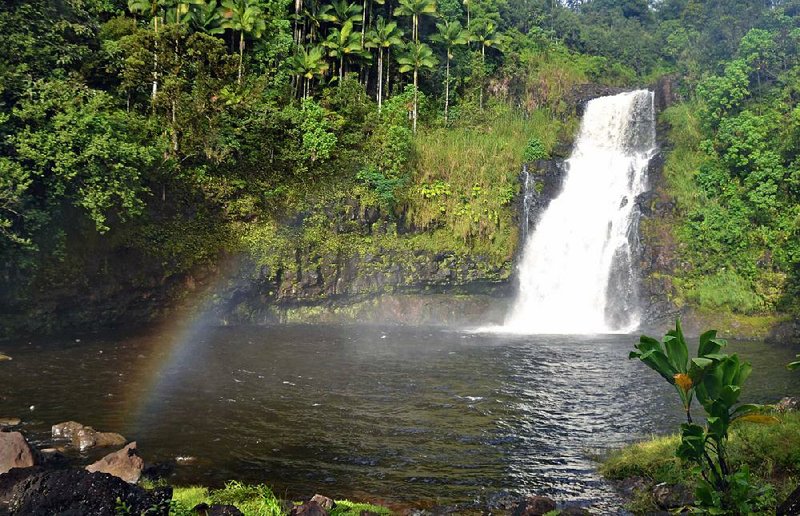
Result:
[715,379]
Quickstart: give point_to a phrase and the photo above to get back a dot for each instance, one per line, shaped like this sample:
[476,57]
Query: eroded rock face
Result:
[14,452]
[78,492]
[124,464]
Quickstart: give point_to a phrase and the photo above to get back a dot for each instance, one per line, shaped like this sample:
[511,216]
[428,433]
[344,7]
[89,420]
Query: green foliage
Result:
[534,150]
[716,380]
[725,290]
[384,187]
[319,141]
[769,452]
[76,147]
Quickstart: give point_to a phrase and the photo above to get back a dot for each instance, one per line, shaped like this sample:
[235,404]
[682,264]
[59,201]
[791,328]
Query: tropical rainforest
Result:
[180,131]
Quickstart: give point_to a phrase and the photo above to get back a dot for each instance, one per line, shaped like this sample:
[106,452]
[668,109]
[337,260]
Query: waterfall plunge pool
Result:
[414,416]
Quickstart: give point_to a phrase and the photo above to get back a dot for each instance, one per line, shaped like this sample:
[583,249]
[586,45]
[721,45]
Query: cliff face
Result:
[104,286]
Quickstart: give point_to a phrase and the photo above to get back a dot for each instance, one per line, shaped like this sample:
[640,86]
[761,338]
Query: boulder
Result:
[672,496]
[125,464]
[535,506]
[204,509]
[308,509]
[14,452]
[574,510]
[78,492]
[324,502]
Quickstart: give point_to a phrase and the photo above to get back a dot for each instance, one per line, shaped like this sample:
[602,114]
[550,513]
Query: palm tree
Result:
[450,34]
[309,64]
[151,7]
[415,9]
[315,13]
[485,33]
[342,42]
[207,17]
[384,35]
[342,12]
[246,17]
[417,56]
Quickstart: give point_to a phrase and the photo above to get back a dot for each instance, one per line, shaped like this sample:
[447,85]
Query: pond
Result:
[420,417]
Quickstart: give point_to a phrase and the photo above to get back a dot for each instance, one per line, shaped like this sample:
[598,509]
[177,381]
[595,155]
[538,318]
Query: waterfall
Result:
[528,192]
[577,270]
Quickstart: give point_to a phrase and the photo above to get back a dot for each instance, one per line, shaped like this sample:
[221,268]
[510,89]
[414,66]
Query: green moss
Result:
[190,497]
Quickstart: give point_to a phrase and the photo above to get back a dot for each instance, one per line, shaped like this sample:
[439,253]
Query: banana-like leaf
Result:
[677,351]
[761,419]
[794,365]
[746,409]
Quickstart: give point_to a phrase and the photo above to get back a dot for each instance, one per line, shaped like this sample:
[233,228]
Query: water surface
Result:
[425,417]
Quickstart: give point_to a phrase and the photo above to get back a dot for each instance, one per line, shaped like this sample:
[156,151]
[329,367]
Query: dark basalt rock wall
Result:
[658,251]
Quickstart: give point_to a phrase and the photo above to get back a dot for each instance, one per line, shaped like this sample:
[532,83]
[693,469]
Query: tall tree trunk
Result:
[447,86]
[174,128]
[341,70]
[363,22]
[297,5]
[241,55]
[415,101]
[380,77]
[388,65]
[483,74]
[155,57]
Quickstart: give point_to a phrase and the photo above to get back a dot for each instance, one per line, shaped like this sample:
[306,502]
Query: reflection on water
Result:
[421,416]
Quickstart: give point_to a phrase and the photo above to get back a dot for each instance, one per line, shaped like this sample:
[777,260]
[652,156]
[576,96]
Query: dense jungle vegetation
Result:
[177,130]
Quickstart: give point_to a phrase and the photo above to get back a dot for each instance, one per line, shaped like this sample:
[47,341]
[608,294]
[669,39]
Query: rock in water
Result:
[85,437]
[14,452]
[78,492]
[125,464]
[535,506]
[66,430]
[9,421]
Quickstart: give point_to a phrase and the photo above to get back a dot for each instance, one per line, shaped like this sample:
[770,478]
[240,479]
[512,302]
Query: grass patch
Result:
[772,452]
[725,290]
[348,508]
[684,159]
[253,500]
[466,177]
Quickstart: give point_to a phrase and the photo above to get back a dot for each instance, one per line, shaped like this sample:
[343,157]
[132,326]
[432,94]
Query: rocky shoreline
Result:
[48,480]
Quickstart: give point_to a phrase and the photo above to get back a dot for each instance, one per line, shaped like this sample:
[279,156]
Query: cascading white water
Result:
[576,273]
